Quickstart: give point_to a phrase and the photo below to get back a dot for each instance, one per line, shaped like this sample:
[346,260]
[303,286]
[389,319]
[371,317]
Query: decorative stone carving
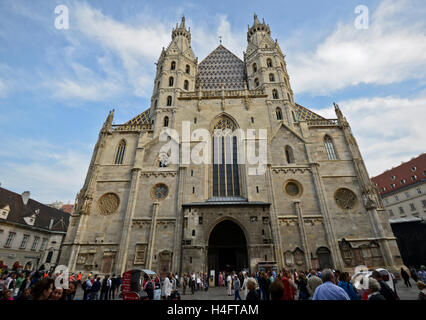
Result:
[298,256]
[345,198]
[291,170]
[140,255]
[108,204]
[159,192]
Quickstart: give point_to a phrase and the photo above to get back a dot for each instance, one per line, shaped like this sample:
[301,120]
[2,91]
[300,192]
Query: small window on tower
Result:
[279,113]
[256,82]
[169,101]
[254,67]
[271,77]
[166,121]
[171,81]
[186,85]
[275,94]
[269,63]
[187,69]
[173,66]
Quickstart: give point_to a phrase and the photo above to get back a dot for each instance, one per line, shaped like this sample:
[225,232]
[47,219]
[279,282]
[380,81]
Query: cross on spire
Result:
[220,39]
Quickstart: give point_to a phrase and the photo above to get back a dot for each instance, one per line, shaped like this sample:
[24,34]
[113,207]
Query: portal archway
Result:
[227,250]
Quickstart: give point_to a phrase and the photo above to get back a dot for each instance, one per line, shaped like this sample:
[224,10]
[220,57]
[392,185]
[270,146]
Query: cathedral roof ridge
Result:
[215,49]
[306,114]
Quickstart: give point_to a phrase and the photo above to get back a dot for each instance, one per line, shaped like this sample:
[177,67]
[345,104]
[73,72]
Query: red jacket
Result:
[288,289]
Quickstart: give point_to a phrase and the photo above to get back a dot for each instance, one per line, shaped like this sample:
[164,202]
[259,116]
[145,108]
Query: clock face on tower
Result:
[159,191]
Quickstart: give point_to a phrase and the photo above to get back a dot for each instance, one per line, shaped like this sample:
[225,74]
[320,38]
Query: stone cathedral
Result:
[313,206]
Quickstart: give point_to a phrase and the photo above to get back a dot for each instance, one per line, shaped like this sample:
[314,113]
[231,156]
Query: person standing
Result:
[167,287]
[406,277]
[252,294]
[413,274]
[288,287]
[220,281]
[113,287]
[106,285]
[422,290]
[87,288]
[244,286]
[313,282]
[328,290]
[237,288]
[385,290]
[345,284]
[193,283]
[302,284]
[373,290]
[229,283]
[422,274]
[94,291]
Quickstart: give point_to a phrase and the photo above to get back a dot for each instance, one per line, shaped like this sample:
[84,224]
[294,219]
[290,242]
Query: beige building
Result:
[31,233]
[313,205]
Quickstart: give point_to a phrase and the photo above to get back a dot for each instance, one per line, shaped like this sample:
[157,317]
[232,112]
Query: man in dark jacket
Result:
[385,290]
[406,277]
[113,287]
[106,285]
[94,291]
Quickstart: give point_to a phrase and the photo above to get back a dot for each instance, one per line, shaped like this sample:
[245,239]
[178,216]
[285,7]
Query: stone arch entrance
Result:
[227,250]
[324,258]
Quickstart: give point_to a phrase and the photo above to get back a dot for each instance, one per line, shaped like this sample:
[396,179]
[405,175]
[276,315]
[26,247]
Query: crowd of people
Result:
[315,285]
[262,285]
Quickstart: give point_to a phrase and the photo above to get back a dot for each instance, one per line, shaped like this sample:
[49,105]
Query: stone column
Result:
[331,236]
[177,245]
[303,233]
[274,221]
[127,224]
[152,232]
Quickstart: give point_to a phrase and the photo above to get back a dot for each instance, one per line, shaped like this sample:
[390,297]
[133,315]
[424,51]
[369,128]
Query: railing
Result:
[228,94]
[323,122]
[131,127]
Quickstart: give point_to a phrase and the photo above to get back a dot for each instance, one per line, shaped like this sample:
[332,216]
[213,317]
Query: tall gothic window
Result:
[226,181]
[120,152]
[187,69]
[166,121]
[289,154]
[173,66]
[275,94]
[171,81]
[329,147]
[169,101]
[186,84]
[269,62]
[271,77]
[279,113]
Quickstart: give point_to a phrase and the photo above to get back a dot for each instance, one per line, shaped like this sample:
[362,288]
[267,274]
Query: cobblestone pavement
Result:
[220,293]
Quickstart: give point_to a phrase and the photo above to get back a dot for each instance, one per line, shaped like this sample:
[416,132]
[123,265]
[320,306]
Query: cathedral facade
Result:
[310,205]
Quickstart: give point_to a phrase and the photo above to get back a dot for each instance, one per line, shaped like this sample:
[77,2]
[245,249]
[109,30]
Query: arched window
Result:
[226,182]
[169,101]
[256,82]
[271,77]
[158,84]
[166,121]
[279,113]
[120,152]
[269,62]
[173,66]
[187,69]
[171,80]
[275,94]
[289,154]
[186,84]
[329,147]
[254,67]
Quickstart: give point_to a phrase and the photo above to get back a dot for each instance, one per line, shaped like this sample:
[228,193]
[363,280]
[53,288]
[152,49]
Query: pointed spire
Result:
[182,24]
[256,20]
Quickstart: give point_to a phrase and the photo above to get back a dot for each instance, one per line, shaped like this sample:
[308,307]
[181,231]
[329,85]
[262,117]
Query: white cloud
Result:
[49,172]
[392,50]
[389,130]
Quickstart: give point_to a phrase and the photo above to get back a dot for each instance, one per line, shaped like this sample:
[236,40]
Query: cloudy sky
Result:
[57,86]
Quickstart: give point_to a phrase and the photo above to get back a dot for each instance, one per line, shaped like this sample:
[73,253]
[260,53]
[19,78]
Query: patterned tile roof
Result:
[140,119]
[306,114]
[221,66]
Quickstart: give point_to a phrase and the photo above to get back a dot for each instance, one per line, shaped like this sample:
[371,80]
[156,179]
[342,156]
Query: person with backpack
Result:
[385,290]
[148,287]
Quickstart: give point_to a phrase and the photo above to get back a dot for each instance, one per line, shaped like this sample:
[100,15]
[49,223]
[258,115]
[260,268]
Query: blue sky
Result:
[57,86]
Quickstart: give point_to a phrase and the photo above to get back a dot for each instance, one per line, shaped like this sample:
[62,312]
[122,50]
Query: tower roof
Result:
[221,66]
